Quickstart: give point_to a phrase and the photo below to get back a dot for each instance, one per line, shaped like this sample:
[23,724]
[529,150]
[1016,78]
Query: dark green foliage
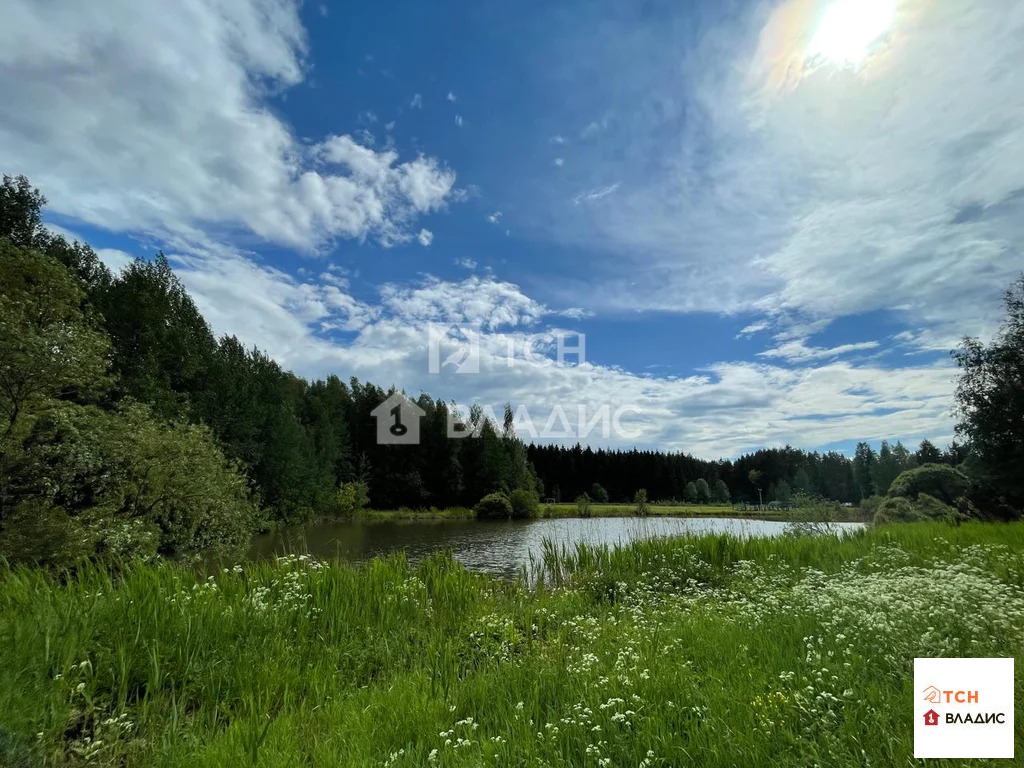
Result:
[927,453]
[721,492]
[524,503]
[690,493]
[640,505]
[703,491]
[990,405]
[583,505]
[938,480]
[494,506]
[900,509]
[598,493]
[123,484]
[163,349]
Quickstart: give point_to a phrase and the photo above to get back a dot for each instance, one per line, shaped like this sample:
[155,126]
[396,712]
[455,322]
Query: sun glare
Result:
[849,27]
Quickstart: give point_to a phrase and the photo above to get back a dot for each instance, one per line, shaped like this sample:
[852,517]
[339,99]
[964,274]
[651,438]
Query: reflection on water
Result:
[497,547]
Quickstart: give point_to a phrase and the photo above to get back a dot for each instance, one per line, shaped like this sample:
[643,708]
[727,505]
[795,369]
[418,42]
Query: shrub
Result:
[599,493]
[352,498]
[938,480]
[869,506]
[896,509]
[899,509]
[524,504]
[130,484]
[583,505]
[494,506]
[640,500]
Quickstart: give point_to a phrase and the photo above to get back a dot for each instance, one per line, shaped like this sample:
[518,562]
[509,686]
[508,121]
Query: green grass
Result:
[707,651]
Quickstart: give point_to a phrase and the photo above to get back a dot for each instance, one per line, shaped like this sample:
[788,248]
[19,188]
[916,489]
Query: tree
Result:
[583,505]
[690,493]
[494,506]
[132,486]
[163,350]
[21,206]
[640,507]
[48,348]
[927,453]
[722,492]
[864,469]
[937,480]
[886,469]
[990,406]
[703,491]
[801,481]
[598,493]
[783,493]
[524,504]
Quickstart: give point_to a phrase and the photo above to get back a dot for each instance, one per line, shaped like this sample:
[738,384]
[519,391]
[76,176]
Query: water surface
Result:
[501,548]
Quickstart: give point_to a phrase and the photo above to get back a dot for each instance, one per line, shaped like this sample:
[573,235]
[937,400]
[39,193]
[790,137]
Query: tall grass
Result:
[698,650]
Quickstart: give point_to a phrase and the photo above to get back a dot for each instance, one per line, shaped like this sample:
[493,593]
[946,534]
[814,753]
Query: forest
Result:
[130,428]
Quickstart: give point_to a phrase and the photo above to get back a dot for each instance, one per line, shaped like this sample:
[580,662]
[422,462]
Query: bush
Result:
[599,493]
[941,481]
[130,484]
[494,506]
[869,506]
[899,509]
[640,500]
[896,509]
[583,505]
[352,498]
[524,504]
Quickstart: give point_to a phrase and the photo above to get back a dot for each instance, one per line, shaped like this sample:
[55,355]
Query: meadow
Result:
[709,651]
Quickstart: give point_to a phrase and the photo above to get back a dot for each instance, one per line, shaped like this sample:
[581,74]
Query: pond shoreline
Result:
[562,511]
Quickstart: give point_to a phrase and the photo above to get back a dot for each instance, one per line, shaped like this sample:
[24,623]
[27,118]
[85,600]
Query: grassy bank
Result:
[705,651]
[611,510]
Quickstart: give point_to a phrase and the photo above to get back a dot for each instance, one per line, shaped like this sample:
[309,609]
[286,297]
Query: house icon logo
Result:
[931,717]
[398,421]
[932,695]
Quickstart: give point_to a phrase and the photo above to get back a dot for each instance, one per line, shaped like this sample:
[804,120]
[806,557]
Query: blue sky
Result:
[771,220]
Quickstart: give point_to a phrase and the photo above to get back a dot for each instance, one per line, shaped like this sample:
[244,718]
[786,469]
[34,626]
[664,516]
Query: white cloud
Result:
[722,410]
[495,217]
[159,123]
[416,102]
[480,301]
[753,328]
[450,96]
[115,259]
[596,194]
[791,186]
[559,161]
[458,120]
[425,237]
[797,351]
[465,263]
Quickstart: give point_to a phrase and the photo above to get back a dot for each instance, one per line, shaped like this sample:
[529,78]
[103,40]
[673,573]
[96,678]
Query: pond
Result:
[501,548]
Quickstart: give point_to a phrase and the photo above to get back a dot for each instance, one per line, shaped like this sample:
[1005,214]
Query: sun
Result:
[848,28]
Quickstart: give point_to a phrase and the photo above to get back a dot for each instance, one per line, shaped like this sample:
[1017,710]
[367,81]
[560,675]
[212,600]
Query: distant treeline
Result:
[128,426]
[779,473]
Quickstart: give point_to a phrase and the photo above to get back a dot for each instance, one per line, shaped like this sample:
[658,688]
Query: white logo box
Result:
[973,699]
